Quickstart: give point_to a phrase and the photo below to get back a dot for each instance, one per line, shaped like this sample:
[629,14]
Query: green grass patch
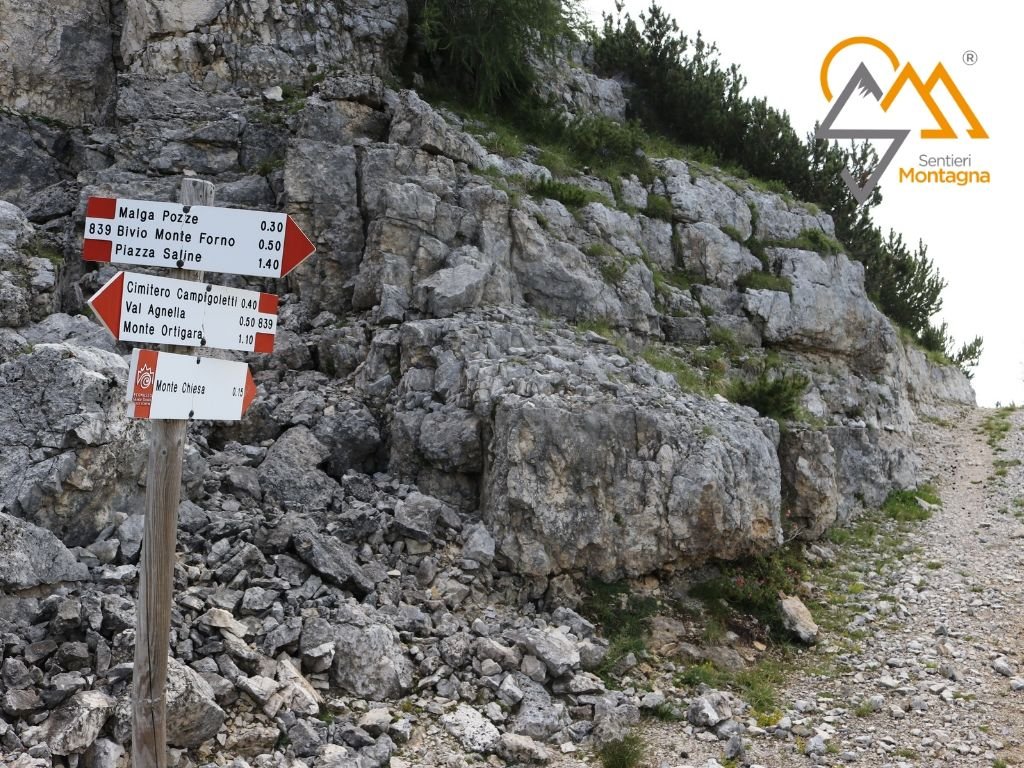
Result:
[658,207]
[571,196]
[812,240]
[600,327]
[903,506]
[733,233]
[764,281]
[626,752]
[777,397]
[674,278]
[1002,466]
[758,685]
[753,586]
[624,619]
[996,426]
[687,377]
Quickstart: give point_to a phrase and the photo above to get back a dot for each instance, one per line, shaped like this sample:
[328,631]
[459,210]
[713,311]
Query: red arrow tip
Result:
[297,247]
[106,303]
[250,391]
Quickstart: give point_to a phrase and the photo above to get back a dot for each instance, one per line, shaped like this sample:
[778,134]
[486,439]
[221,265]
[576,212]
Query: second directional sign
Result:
[176,236]
[162,310]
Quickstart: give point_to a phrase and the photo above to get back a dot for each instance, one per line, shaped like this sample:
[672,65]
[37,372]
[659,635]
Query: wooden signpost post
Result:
[170,386]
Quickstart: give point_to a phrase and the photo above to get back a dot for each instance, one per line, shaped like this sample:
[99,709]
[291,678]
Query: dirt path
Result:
[940,643]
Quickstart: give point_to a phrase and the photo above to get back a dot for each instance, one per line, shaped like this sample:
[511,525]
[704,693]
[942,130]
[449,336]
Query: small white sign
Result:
[162,385]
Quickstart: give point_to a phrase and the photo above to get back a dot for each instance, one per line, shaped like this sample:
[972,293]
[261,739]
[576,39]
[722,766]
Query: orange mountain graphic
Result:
[924,89]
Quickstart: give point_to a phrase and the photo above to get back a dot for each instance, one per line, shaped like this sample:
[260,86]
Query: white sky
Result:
[970,231]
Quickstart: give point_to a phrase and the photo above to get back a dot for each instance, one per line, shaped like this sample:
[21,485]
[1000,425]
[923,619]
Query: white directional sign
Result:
[162,310]
[166,386]
[199,237]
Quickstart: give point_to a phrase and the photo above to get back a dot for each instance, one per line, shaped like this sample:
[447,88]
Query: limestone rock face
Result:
[56,59]
[650,480]
[69,449]
[827,308]
[810,490]
[667,477]
[263,43]
[27,281]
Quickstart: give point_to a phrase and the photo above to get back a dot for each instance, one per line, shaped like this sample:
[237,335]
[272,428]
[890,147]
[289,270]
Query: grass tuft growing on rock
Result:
[658,207]
[777,397]
[688,378]
[571,196]
[904,507]
[753,281]
[753,586]
[626,752]
[624,618]
[757,685]
[996,426]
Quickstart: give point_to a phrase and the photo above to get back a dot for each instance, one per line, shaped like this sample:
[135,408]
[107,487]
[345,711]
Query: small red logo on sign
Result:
[145,380]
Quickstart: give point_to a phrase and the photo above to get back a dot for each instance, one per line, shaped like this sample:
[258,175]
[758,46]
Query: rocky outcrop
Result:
[674,485]
[71,457]
[34,556]
[56,60]
[478,397]
[224,44]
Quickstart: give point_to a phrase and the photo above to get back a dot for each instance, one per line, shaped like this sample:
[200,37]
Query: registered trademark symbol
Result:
[970,58]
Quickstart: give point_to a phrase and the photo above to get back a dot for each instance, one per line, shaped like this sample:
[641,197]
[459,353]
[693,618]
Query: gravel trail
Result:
[933,680]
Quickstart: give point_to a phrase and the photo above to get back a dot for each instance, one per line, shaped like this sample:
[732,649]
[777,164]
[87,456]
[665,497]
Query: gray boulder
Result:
[192,712]
[332,559]
[369,661]
[471,729]
[289,475]
[73,728]
[351,435]
[810,491]
[797,619]
[538,716]
[30,556]
[616,489]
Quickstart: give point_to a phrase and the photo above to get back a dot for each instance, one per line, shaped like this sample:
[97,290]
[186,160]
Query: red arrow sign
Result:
[200,237]
[162,310]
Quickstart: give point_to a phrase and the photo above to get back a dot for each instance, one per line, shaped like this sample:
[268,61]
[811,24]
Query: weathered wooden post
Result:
[156,561]
[170,388]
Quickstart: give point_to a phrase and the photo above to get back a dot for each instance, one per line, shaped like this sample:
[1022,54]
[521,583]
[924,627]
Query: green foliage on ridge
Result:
[681,95]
